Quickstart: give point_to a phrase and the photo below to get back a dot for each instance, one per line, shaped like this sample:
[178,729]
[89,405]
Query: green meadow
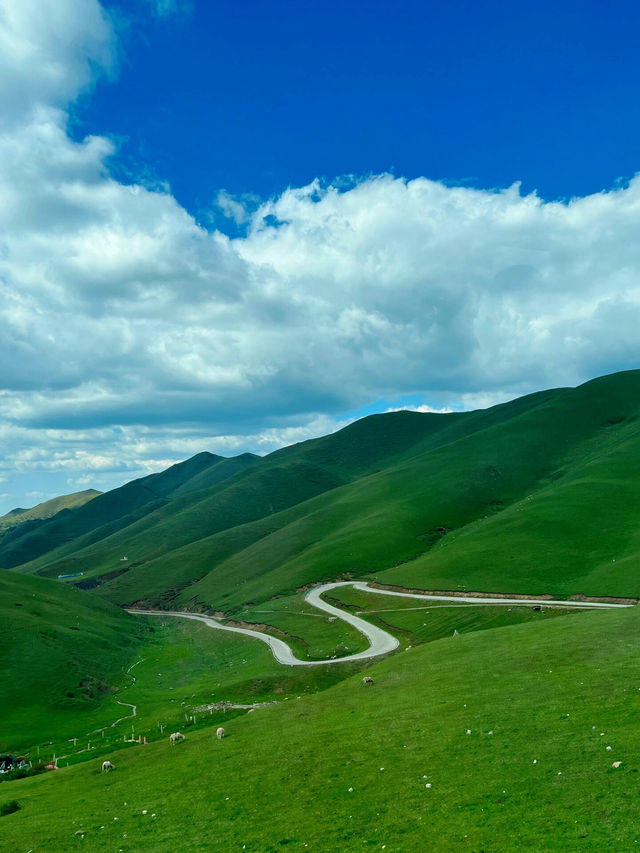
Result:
[491,728]
[494,740]
[62,656]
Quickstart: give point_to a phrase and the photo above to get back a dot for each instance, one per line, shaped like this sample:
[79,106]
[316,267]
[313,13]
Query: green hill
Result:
[535,495]
[46,509]
[497,740]
[61,651]
[114,510]
[501,738]
[284,479]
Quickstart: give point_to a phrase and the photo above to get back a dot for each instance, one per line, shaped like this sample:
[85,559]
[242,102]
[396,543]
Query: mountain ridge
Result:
[370,499]
[46,509]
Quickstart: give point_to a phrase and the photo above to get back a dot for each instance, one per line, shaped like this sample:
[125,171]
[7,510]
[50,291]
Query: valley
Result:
[480,568]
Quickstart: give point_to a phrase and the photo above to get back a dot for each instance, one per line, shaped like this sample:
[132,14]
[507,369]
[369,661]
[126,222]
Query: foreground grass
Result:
[180,666]
[355,768]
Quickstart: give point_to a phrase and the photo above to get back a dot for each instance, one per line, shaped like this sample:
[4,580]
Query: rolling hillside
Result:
[517,733]
[47,509]
[61,651]
[115,510]
[498,740]
[533,496]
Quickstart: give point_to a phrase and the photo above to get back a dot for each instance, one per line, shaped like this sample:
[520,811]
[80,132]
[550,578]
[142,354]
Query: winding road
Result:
[380,641]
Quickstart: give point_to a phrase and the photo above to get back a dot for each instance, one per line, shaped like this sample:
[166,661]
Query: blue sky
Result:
[235,226]
[257,96]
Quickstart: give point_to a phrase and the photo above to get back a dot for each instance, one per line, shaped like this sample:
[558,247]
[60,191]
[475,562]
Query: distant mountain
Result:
[114,510]
[536,495]
[47,509]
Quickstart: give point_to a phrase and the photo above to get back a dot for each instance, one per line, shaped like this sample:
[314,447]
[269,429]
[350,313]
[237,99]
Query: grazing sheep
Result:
[367,680]
[176,736]
[107,766]
[220,733]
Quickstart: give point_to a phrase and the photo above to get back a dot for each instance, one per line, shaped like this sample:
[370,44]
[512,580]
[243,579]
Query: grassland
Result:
[415,623]
[83,663]
[495,740]
[311,634]
[62,655]
[47,509]
[84,678]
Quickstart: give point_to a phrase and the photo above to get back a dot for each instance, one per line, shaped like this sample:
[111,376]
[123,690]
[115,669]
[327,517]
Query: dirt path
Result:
[134,708]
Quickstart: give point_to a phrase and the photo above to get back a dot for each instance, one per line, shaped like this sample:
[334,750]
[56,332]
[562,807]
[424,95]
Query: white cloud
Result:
[118,308]
[50,52]
[80,482]
[422,409]
[232,208]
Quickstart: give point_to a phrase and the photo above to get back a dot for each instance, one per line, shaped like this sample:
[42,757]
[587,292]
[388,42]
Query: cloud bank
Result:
[132,336]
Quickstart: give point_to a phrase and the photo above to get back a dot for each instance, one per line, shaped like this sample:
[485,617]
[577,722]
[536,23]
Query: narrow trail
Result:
[380,642]
[134,708]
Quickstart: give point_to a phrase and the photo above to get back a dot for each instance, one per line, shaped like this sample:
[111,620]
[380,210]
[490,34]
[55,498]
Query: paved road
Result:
[481,599]
[380,642]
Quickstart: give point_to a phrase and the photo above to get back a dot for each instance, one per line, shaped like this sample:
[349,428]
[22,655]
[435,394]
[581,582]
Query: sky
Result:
[231,227]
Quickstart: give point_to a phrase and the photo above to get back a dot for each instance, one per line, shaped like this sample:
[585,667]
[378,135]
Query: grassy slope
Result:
[553,475]
[214,474]
[308,774]
[61,652]
[47,509]
[577,449]
[576,532]
[181,543]
[70,531]
[282,480]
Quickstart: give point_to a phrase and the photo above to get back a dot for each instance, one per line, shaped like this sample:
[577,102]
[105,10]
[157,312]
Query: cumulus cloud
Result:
[50,52]
[424,408]
[119,309]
